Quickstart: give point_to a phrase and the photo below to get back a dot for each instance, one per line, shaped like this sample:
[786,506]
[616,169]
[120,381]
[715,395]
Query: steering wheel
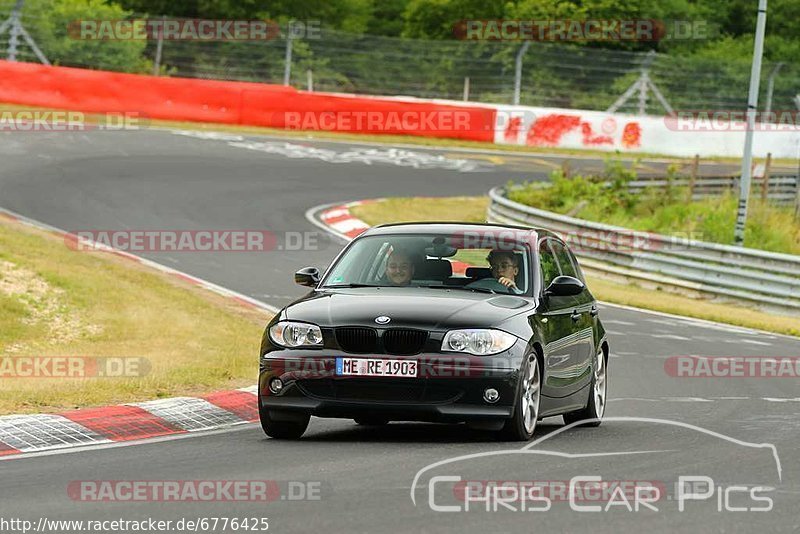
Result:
[490,283]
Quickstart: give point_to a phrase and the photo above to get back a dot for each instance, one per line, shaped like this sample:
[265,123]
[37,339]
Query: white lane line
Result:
[754,342]
[614,333]
[614,321]
[670,336]
[621,353]
[666,322]
[701,322]
[701,399]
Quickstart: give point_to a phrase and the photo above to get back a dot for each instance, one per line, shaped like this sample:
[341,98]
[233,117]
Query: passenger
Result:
[399,268]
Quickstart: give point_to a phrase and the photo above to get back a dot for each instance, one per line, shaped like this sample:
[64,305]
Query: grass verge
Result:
[473,209]
[57,302]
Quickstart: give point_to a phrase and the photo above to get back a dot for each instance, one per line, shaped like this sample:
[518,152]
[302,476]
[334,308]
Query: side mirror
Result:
[307,276]
[564,286]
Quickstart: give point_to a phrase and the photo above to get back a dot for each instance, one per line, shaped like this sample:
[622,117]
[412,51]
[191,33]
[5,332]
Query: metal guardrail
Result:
[768,279]
[779,189]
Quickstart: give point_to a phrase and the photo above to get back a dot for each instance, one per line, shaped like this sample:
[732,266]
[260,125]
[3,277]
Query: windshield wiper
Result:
[473,289]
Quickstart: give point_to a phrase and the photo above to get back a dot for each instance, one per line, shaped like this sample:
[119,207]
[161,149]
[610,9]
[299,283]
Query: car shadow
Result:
[419,432]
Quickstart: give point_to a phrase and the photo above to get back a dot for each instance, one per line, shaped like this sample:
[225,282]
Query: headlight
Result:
[290,334]
[481,342]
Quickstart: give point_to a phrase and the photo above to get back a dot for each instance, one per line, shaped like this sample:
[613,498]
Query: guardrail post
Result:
[797,197]
[693,175]
[765,183]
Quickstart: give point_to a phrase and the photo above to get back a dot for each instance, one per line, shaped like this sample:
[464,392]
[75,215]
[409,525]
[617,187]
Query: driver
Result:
[399,268]
[505,267]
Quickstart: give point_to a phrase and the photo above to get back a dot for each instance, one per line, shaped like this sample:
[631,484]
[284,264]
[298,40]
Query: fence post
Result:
[693,175]
[159,48]
[310,80]
[518,71]
[770,89]
[466,88]
[287,66]
[765,183]
[13,33]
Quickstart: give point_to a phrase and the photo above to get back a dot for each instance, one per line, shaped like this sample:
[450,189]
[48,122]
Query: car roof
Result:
[449,227]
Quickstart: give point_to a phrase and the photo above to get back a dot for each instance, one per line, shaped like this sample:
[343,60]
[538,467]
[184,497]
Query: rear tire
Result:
[282,425]
[526,411]
[596,407]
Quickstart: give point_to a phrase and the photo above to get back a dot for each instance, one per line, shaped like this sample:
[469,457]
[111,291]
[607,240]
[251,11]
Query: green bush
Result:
[51,33]
[606,198]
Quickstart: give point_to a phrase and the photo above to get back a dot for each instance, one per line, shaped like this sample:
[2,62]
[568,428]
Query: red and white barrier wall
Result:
[254,104]
[277,106]
[692,132]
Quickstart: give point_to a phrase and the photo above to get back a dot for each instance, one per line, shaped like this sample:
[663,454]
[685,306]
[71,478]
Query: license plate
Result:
[376,367]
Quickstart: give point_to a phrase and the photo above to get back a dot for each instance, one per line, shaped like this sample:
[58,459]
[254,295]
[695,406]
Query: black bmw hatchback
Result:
[485,324]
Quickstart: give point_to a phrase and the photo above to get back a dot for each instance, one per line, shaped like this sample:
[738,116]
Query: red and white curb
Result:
[338,219]
[21,434]
[92,426]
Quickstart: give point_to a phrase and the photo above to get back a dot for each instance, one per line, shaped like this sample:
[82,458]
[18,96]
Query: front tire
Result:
[596,407]
[526,411]
[282,425]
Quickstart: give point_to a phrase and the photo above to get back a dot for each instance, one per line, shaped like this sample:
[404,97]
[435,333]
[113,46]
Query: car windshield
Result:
[480,262]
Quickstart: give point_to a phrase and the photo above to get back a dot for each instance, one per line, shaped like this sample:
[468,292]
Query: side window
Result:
[577,266]
[548,264]
[564,259]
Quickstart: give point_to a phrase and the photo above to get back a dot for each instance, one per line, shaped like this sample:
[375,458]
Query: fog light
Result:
[276,385]
[491,395]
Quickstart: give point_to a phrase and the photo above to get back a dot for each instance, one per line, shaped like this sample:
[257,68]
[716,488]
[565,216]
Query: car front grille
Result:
[357,340]
[404,341]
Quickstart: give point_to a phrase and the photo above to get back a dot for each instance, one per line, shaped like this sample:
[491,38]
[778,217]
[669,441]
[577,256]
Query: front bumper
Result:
[448,388]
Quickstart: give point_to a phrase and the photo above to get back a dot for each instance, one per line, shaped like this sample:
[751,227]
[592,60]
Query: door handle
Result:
[594,312]
[575,316]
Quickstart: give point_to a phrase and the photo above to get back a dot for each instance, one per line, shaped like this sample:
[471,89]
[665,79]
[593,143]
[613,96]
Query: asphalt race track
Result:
[659,427]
